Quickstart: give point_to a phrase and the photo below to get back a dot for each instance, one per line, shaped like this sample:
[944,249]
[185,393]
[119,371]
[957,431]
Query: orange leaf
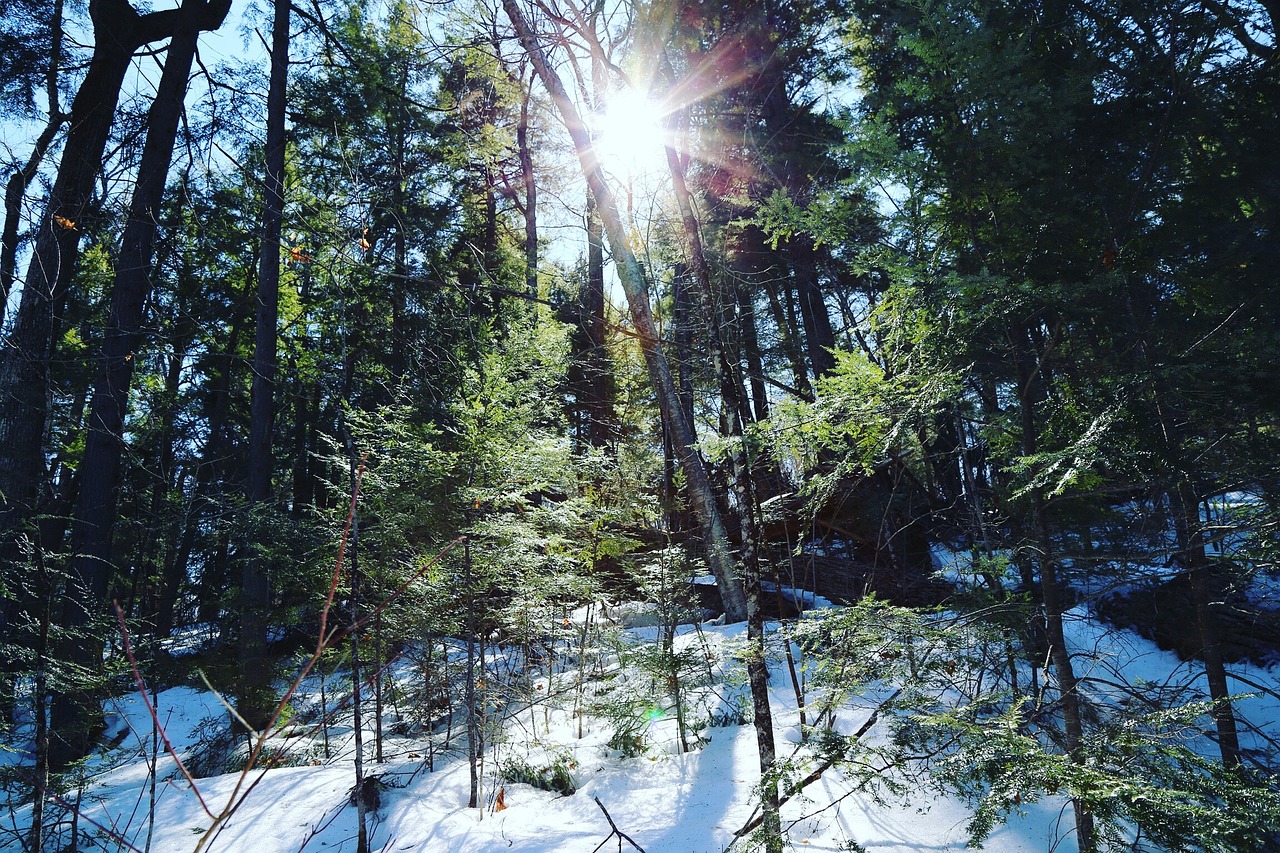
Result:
[500,804]
[64,222]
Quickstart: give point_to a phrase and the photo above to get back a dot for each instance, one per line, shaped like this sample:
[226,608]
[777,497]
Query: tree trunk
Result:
[1184,506]
[751,350]
[788,331]
[633,284]
[590,375]
[530,194]
[778,113]
[118,31]
[20,181]
[99,471]
[736,416]
[1051,596]
[357,686]
[255,703]
[596,375]
[397,130]
[28,346]
[819,338]
[1185,509]
[210,464]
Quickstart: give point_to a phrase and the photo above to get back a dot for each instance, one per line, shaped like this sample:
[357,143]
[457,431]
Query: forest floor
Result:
[665,800]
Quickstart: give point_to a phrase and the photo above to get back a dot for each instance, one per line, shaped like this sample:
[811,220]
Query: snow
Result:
[667,801]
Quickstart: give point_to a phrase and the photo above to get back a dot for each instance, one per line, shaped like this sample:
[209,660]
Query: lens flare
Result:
[630,136]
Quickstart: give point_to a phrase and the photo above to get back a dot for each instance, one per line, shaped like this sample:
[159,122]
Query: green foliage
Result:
[1138,773]
[952,703]
[554,773]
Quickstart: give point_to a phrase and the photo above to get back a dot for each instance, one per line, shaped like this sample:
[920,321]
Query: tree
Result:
[255,702]
[119,30]
[99,472]
[21,48]
[633,283]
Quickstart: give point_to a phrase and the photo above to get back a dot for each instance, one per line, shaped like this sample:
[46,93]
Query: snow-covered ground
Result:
[664,800]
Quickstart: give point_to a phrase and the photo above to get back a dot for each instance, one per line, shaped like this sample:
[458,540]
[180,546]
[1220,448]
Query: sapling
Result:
[327,638]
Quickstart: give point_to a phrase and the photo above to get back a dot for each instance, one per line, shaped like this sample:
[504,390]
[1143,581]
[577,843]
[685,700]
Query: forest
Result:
[407,383]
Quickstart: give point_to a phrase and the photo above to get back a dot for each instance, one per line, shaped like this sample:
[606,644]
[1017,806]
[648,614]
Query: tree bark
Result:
[1184,506]
[210,463]
[530,194]
[736,417]
[27,348]
[24,382]
[591,360]
[104,439]
[254,702]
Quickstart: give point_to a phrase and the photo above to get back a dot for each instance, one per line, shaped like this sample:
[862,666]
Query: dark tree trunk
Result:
[27,348]
[118,31]
[255,703]
[734,419]
[397,130]
[1051,590]
[778,113]
[162,530]
[1184,502]
[682,339]
[751,350]
[99,471]
[789,331]
[209,466]
[819,338]
[1184,506]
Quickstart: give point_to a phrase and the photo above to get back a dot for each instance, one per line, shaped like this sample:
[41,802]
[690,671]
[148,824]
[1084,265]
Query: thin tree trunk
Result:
[20,181]
[530,194]
[397,130]
[1184,506]
[162,529]
[632,277]
[41,711]
[819,337]
[788,331]
[1051,596]
[751,351]
[473,731]
[1190,536]
[357,717]
[733,405]
[210,463]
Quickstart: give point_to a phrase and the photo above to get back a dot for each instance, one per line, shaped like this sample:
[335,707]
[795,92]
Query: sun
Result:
[631,136]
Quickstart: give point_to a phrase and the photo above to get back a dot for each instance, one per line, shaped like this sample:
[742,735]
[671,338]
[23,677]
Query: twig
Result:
[756,818]
[107,831]
[622,836]
[323,643]
[155,719]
